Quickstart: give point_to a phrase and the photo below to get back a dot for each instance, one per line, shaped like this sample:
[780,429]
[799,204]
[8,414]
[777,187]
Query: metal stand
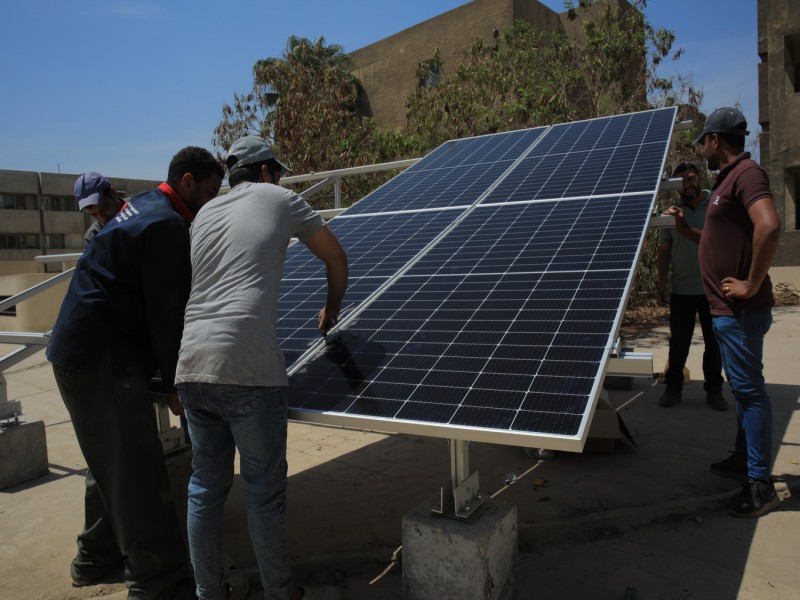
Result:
[172,438]
[9,410]
[460,498]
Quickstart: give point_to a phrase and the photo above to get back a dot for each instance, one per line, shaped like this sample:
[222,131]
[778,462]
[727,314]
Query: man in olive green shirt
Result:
[680,285]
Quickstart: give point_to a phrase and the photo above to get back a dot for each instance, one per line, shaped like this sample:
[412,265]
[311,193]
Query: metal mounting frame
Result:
[461,497]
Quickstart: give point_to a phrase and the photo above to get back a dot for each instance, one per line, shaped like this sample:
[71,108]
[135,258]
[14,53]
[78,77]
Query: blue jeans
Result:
[223,418]
[741,342]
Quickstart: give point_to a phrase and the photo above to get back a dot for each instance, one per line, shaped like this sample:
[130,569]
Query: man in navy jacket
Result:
[120,322]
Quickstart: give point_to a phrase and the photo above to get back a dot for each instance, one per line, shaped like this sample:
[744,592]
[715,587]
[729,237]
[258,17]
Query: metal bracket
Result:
[172,438]
[671,184]
[625,363]
[461,497]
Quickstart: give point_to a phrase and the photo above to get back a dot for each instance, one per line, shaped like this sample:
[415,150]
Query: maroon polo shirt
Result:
[726,245]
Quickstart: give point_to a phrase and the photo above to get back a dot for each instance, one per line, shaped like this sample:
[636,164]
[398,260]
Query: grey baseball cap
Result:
[249,150]
[724,120]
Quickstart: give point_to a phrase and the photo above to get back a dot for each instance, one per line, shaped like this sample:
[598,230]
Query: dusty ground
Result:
[645,518]
[644,317]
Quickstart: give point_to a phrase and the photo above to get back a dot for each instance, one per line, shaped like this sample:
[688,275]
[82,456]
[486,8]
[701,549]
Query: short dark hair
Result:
[252,172]
[195,160]
[685,166]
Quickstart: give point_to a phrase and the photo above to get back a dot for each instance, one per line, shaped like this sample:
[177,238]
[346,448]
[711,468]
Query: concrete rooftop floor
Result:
[642,522]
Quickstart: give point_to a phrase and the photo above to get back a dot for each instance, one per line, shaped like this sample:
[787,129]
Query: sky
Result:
[118,86]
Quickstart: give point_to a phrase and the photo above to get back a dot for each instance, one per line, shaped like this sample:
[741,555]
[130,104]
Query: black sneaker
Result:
[733,467]
[670,397]
[756,498]
[716,400]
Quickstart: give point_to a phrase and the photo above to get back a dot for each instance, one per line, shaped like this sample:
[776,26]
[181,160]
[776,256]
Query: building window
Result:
[54,240]
[60,203]
[18,241]
[791,202]
[792,54]
[17,202]
[11,311]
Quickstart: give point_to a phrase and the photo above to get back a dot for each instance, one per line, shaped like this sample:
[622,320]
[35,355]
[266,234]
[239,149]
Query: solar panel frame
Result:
[434,399]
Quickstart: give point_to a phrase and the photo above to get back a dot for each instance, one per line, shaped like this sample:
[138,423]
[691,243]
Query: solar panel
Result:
[426,198]
[500,328]
[455,174]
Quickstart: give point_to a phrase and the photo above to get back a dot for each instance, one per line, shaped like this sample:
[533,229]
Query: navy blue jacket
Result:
[128,294]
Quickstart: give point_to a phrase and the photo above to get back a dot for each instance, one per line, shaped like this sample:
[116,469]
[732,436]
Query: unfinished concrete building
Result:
[779,115]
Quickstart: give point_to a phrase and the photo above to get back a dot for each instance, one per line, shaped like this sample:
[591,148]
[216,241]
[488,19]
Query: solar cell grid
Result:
[504,324]
[455,174]
[606,156]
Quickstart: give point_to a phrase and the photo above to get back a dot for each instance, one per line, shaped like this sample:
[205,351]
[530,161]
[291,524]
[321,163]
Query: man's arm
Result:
[690,233]
[326,247]
[766,231]
[662,265]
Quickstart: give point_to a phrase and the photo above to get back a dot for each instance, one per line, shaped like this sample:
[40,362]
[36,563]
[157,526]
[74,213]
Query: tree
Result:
[310,104]
[605,64]
[517,81]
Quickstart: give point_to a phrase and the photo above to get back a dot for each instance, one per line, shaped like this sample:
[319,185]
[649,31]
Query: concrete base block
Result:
[445,558]
[23,453]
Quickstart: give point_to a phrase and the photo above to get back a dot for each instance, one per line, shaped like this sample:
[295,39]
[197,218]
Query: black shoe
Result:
[756,498]
[185,589]
[733,467]
[670,397]
[716,400]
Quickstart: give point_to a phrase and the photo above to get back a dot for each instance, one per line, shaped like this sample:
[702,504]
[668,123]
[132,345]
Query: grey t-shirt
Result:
[239,243]
[685,276]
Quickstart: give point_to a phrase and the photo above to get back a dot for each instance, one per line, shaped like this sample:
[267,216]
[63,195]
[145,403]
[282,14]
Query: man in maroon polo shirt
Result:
[737,246]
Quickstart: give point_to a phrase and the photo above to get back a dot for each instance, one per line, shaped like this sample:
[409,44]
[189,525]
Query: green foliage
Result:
[519,80]
[526,78]
[309,103]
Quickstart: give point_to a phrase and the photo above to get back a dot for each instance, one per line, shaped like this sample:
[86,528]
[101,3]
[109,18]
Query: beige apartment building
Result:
[387,68]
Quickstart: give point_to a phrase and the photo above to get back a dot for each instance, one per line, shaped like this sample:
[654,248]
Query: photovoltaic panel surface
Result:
[378,246]
[386,230]
[615,155]
[455,174]
[501,328]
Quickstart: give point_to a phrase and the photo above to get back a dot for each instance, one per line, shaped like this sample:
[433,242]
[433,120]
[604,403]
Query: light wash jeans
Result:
[741,343]
[253,420]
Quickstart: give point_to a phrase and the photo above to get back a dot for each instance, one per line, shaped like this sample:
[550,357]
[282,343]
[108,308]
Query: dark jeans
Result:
[130,513]
[682,311]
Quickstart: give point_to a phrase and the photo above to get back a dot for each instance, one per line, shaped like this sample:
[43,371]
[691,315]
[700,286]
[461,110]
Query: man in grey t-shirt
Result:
[231,375]
[678,264]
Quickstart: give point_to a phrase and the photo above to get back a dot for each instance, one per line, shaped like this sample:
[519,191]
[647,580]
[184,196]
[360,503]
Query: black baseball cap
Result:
[724,120]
